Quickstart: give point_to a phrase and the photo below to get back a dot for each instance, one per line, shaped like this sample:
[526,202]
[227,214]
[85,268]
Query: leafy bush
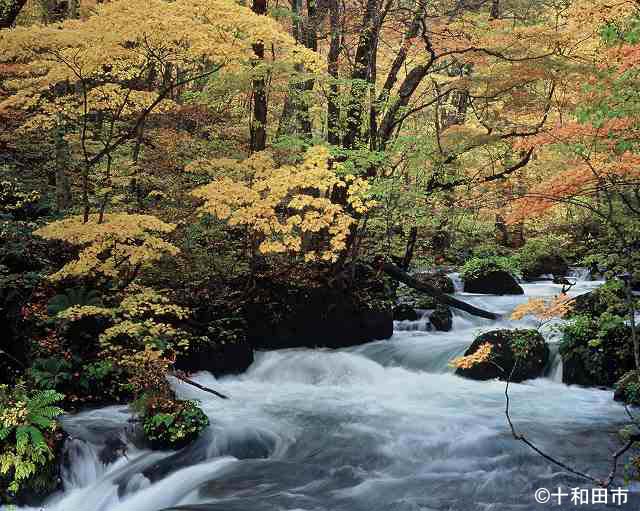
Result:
[171,423]
[478,266]
[28,437]
[99,381]
[610,297]
[19,204]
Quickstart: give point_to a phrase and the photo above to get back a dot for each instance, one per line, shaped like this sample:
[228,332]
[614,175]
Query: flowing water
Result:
[383,426]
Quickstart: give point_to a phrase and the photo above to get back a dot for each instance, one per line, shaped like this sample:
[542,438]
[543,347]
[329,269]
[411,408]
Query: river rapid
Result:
[382,426]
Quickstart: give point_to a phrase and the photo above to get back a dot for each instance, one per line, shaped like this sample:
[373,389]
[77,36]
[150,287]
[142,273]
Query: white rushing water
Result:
[383,426]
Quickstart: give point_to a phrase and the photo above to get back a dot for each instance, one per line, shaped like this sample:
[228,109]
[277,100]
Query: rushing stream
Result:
[383,426]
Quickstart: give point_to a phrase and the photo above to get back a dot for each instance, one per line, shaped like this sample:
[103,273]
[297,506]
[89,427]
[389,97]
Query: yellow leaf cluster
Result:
[543,309]
[286,206]
[482,354]
[125,42]
[121,243]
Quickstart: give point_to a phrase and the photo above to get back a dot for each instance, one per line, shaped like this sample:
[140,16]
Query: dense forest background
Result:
[182,182]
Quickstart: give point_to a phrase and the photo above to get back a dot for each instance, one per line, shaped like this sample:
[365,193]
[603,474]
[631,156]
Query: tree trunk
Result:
[411,244]
[63,189]
[361,74]
[258,128]
[333,108]
[295,116]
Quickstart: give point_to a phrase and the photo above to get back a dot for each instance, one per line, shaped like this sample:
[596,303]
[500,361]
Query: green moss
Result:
[596,350]
[479,266]
[172,423]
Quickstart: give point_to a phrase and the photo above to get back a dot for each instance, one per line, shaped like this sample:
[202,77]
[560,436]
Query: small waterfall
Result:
[580,274]
[553,371]
[458,284]
[421,325]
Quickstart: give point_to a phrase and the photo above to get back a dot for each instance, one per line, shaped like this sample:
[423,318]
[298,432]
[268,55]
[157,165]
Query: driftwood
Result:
[397,274]
[189,381]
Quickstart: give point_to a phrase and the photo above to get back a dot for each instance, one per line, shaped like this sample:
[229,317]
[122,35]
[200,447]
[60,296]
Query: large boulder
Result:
[611,297]
[217,358]
[547,264]
[596,351]
[404,312]
[527,346]
[441,319]
[334,314]
[438,279]
[494,282]
[627,388]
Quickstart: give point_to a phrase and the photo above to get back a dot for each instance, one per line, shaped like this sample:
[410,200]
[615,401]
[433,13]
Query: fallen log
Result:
[397,274]
[189,381]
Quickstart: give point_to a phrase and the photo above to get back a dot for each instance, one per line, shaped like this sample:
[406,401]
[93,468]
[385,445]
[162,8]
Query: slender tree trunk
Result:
[295,116]
[258,128]
[361,73]
[333,108]
[495,10]
[63,189]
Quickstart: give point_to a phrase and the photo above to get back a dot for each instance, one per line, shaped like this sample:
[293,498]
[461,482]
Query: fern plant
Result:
[27,424]
[73,296]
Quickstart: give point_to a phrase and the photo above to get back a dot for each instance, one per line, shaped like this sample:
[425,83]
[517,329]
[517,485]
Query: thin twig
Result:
[522,438]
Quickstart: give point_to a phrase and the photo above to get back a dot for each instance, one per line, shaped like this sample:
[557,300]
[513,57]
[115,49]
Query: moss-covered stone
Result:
[610,297]
[528,347]
[172,423]
[404,312]
[596,351]
[442,319]
[627,388]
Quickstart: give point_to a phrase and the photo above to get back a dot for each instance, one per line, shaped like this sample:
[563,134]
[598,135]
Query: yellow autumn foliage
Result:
[482,354]
[286,206]
[544,309]
[117,50]
[116,248]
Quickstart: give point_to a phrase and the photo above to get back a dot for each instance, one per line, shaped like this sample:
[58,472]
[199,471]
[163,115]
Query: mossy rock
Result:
[528,347]
[172,423]
[494,282]
[404,312]
[442,319]
[440,280]
[627,388]
[596,351]
[548,264]
[611,297]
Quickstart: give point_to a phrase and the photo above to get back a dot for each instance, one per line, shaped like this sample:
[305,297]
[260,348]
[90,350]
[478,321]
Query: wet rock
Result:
[442,319]
[339,313]
[528,346]
[627,388]
[596,351]
[548,264]
[404,312]
[439,279]
[113,449]
[494,282]
[219,359]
